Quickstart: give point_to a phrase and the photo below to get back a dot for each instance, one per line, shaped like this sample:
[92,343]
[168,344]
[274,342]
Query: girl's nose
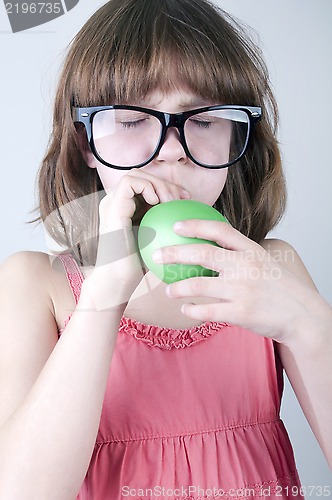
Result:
[172,150]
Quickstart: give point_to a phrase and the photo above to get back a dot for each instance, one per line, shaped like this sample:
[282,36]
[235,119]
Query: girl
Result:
[113,384]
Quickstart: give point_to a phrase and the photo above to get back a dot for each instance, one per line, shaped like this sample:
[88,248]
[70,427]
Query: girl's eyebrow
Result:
[194,102]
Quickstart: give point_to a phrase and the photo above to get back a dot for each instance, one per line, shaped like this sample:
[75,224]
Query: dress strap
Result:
[74,274]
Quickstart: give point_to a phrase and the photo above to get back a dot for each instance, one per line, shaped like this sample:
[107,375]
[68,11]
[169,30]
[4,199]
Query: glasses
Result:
[126,137]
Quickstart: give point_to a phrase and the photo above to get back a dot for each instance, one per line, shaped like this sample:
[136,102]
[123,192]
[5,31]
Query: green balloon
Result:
[156,231]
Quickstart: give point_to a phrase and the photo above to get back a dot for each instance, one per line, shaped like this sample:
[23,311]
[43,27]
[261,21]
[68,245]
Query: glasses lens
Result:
[217,137]
[124,137]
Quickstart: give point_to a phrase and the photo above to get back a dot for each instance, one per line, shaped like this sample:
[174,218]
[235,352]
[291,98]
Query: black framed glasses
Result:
[126,137]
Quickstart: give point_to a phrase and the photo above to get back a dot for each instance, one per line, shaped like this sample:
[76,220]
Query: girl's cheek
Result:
[210,186]
[109,177]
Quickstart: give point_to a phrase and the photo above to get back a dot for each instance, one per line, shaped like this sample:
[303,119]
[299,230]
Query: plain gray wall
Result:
[296,39]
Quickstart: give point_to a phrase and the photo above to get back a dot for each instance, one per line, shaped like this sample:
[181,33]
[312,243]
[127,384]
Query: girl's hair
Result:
[129,48]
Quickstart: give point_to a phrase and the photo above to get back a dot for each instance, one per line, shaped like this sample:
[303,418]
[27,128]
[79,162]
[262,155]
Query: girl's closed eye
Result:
[132,119]
[134,123]
[201,123]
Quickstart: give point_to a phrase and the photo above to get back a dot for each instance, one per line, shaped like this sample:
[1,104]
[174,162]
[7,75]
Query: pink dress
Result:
[190,414]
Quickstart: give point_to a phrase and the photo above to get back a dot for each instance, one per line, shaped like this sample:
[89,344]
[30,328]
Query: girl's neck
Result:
[150,305]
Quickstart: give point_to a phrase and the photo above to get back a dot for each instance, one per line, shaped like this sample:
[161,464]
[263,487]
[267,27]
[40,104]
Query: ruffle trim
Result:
[164,338]
[168,338]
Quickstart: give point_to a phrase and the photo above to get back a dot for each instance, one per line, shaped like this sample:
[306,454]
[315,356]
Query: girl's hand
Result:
[253,290]
[118,268]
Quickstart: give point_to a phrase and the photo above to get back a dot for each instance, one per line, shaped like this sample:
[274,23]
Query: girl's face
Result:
[172,163]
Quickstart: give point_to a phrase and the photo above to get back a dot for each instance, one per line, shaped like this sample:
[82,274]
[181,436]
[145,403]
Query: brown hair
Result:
[130,47]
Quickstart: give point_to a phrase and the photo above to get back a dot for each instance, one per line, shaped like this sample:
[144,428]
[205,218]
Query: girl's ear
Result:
[84,146]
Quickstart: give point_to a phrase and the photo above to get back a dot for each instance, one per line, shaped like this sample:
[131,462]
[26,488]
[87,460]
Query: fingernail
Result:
[178,226]
[157,256]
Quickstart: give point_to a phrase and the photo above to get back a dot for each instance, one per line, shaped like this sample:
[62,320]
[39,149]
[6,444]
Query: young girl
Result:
[113,384]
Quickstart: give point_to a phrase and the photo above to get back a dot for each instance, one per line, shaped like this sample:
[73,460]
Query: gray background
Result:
[296,38]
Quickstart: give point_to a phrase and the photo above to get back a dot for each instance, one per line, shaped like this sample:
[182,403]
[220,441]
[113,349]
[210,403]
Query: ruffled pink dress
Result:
[191,415]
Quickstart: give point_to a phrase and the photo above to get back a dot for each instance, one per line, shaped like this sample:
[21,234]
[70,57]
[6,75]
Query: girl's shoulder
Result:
[28,270]
[284,254]
[25,269]
[25,279]
[37,280]
[26,261]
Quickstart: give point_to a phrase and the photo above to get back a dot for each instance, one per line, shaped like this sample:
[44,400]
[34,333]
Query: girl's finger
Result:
[203,286]
[165,190]
[221,232]
[216,312]
[227,312]
[202,254]
[131,186]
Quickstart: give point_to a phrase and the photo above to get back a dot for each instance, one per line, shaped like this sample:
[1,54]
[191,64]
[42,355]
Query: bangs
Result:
[120,62]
